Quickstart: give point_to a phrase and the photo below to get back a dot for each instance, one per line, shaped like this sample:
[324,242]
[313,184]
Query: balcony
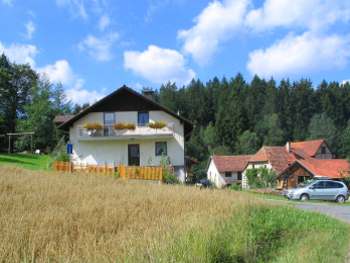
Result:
[140,132]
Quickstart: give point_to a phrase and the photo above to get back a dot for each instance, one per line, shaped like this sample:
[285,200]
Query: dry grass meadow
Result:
[51,217]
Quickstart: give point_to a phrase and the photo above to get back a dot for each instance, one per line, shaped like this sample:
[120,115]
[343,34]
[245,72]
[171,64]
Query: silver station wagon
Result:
[320,190]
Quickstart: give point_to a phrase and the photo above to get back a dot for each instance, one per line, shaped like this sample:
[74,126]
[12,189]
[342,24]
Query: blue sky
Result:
[94,46]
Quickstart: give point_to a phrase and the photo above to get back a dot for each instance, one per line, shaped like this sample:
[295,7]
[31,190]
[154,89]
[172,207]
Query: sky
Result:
[93,47]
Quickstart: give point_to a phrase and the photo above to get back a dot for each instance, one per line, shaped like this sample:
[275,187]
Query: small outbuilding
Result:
[226,170]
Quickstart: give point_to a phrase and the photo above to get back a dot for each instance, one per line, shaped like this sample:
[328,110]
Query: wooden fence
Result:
[126,172]
[141,172]
[63,166]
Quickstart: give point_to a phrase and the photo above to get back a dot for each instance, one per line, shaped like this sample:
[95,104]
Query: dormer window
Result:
[143,118]
[323,150]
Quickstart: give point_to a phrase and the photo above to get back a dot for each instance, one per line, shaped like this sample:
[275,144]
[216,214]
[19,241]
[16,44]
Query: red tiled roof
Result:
[308,147]
[235,163]
[333,168]
[277,156]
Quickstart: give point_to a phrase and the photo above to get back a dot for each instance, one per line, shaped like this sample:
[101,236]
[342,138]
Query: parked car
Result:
[203,183]
[319,190]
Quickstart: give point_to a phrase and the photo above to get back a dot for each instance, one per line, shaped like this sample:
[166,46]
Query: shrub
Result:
[169,176]
[261,178]
[124,126]
[62,156]
[116,174]
[157,125]
[235,187]
[93,126]
[346,181]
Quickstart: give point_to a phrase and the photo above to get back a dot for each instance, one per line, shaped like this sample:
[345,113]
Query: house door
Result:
[134,154]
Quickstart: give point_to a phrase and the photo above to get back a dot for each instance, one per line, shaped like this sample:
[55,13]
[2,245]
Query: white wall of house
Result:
[219,179]
[245,184]
[115,151]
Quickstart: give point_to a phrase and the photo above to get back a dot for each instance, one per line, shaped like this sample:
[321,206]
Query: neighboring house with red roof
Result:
[226,170]
[315,148]
[292,163]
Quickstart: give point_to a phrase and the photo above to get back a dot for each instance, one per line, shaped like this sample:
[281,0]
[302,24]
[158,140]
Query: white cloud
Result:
[78,94]
[20,53]
[158,65]
[300,55]
[30,29]
[76,7]
[7,2]
[310,14]
[346,81]
[104,22]
[60,71]
[216,23]
[99,48]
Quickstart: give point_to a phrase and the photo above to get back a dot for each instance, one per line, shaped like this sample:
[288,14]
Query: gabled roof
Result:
[126,99]
[59,119]
[332,168]
[308,147]
[235,163]
[277,156]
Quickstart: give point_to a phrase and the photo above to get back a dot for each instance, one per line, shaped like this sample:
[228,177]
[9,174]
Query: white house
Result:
[118,130]
[226,170]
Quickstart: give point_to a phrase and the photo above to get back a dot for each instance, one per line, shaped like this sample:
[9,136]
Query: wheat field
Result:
[51,217]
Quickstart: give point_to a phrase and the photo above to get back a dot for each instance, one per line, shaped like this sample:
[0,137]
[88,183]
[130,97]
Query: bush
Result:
[168,173]
[169,177]
[157,125]
[261,178]
[124,126]
[93,126]
[62,156]
[235,187]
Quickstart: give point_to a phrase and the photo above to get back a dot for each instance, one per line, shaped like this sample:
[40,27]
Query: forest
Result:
[230,115]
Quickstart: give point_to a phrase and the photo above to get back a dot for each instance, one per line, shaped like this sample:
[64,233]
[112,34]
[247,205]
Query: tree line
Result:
[230,116]
[233,116]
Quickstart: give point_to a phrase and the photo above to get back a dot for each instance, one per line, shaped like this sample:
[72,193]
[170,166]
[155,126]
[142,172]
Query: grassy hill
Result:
[28,161]
[84,218]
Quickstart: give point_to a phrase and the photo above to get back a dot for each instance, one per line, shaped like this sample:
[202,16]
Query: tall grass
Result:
[77,218]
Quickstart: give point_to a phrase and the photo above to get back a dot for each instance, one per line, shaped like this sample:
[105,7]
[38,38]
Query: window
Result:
[108,118]
[319,185]
[330,184]
[228,174]
[143,118]
[239,176]
[108,121]
[323,150]
[161,148]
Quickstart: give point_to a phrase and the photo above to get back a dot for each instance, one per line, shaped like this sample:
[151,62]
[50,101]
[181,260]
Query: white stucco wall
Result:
[115,151]
[218,179]
[245,184]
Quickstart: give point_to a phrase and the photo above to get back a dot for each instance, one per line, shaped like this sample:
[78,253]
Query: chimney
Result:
[288,147]
[148,93]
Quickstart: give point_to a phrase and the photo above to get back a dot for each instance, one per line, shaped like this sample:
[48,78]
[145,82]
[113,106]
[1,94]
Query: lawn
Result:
[28,161]
[54,217]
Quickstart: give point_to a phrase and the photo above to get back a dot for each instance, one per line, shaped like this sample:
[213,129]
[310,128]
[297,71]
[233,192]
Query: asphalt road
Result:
[341,212]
